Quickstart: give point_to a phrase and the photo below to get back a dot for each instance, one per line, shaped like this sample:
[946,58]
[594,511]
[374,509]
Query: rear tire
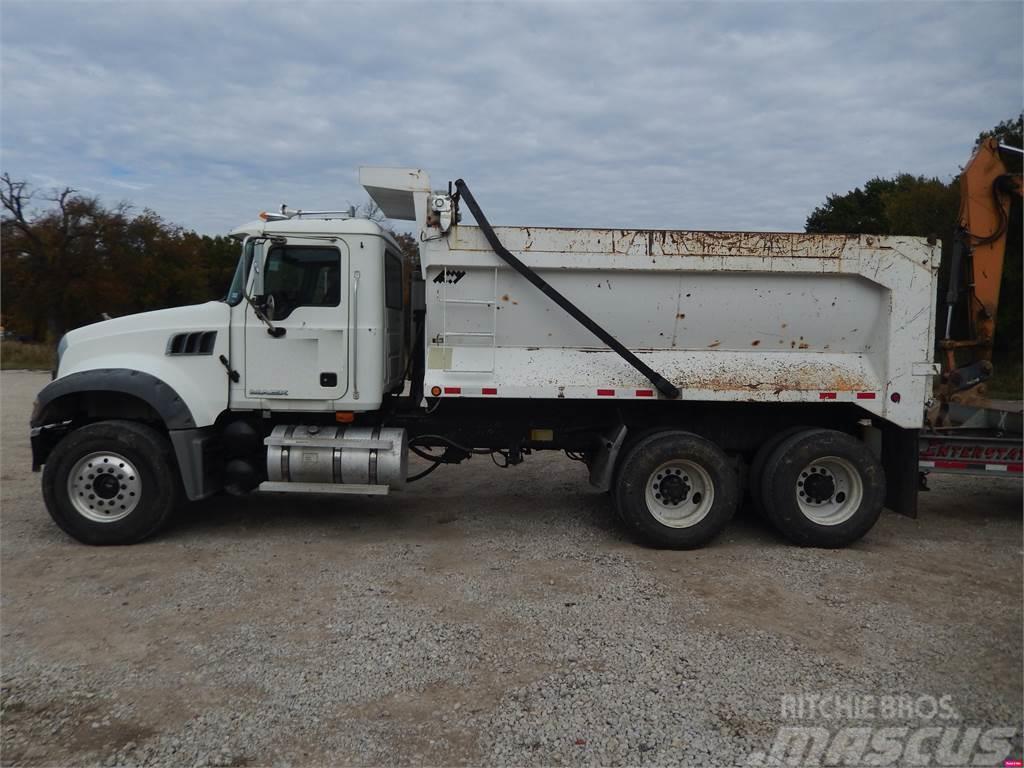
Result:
[823,488]
[760,459]
[112,482]
[676,490]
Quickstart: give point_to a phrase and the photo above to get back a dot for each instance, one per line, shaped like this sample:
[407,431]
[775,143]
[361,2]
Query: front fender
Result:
[190,442]
[148,388]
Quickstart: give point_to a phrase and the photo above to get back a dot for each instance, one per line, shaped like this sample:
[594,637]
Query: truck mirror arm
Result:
[272,329]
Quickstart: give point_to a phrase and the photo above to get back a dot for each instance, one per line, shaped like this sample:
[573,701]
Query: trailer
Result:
[972,440]
[685,370]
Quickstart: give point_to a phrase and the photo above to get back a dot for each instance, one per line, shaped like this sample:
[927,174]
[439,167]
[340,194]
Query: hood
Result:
[185,349]
[213,315]
[148,340]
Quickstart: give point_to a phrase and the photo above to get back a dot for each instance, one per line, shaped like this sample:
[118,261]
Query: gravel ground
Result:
[483,617]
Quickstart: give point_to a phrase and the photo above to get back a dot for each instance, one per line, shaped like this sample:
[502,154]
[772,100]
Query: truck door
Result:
[303,287]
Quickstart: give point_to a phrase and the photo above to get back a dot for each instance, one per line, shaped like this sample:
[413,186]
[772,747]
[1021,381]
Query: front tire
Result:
[676,490]
[823,488]
[112,482]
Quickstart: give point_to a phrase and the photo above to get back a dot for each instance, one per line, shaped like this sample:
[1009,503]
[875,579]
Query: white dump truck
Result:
[683,368]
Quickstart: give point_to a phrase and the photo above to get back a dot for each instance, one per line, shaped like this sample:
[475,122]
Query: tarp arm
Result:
[664,386]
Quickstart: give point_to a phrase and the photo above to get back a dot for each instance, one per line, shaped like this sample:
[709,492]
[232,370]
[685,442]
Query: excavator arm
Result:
[965,433]
[987,190]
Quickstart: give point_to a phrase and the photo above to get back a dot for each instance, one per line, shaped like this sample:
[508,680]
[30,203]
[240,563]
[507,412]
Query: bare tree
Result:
[370,210]
[47,243]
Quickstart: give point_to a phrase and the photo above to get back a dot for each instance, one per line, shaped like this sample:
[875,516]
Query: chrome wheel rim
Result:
[829,490]
[679,493]
[104,487]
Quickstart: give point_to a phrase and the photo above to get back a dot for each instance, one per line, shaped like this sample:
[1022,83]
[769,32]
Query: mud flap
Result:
[602,470]
[900,449]
[199,467]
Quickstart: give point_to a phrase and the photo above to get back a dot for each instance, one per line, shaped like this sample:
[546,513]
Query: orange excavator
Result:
[965,432]
[987,191]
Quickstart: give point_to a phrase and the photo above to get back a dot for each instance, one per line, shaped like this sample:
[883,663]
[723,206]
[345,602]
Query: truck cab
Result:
[326,324]
[315,328]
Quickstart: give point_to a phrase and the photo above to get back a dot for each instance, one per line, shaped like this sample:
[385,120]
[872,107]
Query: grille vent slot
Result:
[192,343]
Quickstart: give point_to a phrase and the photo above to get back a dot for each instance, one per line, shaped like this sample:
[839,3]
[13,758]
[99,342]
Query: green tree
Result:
[861,211]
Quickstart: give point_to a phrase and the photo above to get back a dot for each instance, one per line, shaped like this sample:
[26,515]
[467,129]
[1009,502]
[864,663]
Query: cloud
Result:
[710,116]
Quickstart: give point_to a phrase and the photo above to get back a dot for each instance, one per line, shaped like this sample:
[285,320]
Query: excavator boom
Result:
[965,432]
[986,193]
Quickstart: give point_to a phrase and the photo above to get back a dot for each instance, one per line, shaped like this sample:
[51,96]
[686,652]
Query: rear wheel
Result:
[760,458]
[112,482]
[823,488]
[676,490]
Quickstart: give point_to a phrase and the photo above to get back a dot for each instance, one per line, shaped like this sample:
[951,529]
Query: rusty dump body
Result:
[723,316]
[587,339]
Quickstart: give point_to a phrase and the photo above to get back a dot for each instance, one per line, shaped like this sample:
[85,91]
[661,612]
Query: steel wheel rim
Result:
[829,490]
[679,493]
[104,487]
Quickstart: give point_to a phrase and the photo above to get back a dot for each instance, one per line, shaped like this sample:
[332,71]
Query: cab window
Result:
[302,276]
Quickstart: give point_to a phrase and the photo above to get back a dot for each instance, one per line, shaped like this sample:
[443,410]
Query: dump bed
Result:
[725,316]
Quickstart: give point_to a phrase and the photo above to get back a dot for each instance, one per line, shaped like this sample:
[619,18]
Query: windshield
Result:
[237,290]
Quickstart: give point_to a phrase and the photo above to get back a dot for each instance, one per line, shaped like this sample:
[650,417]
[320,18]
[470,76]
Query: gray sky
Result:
[696,116]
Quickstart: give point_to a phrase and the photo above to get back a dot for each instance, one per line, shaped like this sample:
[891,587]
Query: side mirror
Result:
[264,305]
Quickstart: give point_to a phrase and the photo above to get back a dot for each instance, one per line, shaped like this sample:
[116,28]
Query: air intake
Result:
[193,343]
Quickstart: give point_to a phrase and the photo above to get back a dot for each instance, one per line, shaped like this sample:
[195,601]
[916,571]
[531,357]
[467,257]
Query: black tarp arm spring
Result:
[664,386]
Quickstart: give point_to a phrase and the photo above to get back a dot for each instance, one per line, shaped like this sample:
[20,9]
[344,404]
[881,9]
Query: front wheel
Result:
[112,482]
[676,490]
